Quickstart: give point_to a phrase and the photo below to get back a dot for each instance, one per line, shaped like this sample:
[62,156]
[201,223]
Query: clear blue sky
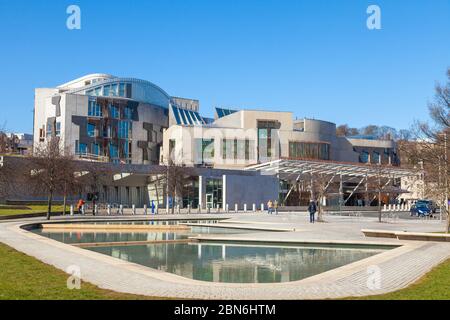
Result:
[315,58]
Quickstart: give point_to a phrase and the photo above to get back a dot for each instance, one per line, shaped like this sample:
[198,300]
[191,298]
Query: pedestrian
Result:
[153,207]
[275,206]
[80,204]
[312,208]
[269,207]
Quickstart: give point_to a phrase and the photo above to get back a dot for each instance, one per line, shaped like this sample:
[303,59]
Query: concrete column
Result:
[201,192]
[224,252]
[224,191]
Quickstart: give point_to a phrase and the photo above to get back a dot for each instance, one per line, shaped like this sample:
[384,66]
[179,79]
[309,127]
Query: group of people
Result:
[272,207]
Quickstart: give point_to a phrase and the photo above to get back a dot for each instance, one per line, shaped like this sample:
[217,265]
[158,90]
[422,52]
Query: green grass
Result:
[435,285]
[33,209]
[25,278]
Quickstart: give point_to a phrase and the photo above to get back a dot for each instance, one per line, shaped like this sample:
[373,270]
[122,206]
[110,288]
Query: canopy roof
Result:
[288,167]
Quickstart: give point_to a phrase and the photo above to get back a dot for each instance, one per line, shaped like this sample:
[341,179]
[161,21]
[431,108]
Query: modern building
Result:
[16,143]
[237,139]
[107,118]
[128,121]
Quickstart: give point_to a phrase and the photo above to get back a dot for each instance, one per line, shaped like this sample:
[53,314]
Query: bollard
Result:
[245,207]
[189,209]
[82,209]
[218,209]
[389,207]
[108,209]
[145,209]
[133,210]
[208,209]
[235,208]
[178,209]
[199,209]
[254,207]
[262,207]
[157,208]
[385,207]
[71,209]
[227,209]
[95,210]
[121,209]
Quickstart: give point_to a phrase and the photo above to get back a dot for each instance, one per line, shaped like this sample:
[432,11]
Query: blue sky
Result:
[314,58]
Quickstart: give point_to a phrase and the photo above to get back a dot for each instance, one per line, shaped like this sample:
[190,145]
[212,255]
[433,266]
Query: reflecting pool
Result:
[238,263]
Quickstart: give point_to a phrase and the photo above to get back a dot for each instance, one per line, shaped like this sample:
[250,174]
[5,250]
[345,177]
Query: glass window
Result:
[113,111]
[49,129]
[124,127]
[375,157]
[364,157]
[204,150]
[94,109]
[122,89]
[114,89]
[95,149]
[82,149]
[89,92]
[309,150]
[113,151]
[106,90]
[58,129]
[127,113]
[98,91]
[91,130]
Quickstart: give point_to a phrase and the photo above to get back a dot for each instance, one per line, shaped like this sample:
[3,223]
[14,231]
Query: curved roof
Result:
[143,90]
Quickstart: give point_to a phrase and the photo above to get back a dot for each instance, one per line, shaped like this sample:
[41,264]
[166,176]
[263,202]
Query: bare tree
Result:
[49,169]
[321,185]
[93,177]
[344,130]
[432,147]
[379,183]
[176,177]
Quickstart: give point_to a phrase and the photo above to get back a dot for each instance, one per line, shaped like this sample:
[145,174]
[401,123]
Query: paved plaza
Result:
[397,268]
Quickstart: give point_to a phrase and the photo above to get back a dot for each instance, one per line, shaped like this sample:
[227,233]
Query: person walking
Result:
[275,206]
[80,204]
[312,208]
[269,207]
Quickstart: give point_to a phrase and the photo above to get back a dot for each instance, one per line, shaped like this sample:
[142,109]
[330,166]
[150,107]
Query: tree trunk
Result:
[379,206]
[173,203]
[448,220]
[49,204]
[64,204]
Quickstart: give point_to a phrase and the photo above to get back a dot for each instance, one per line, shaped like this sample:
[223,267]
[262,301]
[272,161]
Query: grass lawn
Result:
[435,285]
[33,209]
[25,278]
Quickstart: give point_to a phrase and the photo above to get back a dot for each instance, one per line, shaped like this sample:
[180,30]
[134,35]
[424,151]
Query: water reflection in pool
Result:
[227,262]
[103,236]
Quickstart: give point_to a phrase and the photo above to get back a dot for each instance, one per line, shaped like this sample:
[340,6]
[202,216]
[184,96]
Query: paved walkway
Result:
[397,267]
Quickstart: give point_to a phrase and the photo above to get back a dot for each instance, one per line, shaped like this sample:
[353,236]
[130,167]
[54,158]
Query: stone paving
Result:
[397,268]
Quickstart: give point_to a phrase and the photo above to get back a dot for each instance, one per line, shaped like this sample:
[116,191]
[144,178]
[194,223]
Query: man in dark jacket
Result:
[312,208]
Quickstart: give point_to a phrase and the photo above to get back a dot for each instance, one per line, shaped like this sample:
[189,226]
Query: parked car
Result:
[429,203]
[421,209]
